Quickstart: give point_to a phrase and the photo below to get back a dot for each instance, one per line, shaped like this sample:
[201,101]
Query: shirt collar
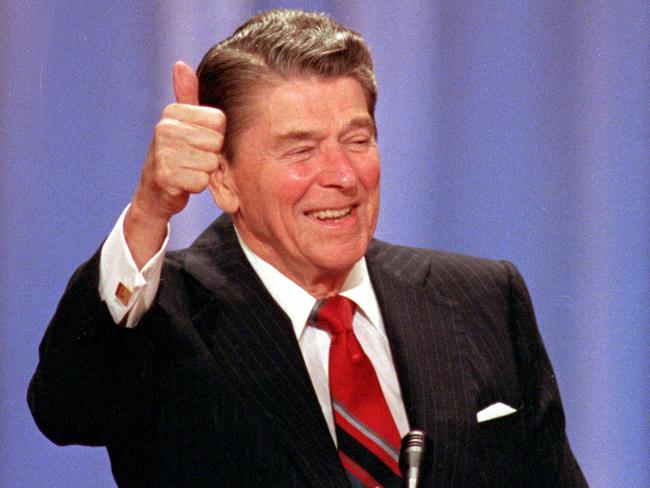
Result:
[297,303]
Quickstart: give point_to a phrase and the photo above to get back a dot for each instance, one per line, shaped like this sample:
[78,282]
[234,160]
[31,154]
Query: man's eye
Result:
[300,151]
[359,142]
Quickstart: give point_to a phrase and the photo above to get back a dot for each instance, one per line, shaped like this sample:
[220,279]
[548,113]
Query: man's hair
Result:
[275,46]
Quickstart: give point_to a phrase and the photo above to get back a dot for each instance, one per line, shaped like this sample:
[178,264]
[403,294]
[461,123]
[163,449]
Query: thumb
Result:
[186,84]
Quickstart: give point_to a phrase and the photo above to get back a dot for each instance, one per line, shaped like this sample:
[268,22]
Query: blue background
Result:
[516,130]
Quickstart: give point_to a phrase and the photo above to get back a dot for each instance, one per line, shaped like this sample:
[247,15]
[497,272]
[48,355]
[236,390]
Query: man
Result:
[286,347]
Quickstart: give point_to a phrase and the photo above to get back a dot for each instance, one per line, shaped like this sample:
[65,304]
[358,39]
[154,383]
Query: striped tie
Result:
[368,439]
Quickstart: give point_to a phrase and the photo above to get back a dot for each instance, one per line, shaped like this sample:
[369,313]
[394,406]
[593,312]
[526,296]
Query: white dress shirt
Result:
[118,267]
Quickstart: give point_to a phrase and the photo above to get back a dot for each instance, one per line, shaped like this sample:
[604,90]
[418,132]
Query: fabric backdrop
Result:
[508,129]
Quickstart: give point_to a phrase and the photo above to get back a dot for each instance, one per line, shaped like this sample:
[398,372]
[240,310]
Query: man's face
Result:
[306,177]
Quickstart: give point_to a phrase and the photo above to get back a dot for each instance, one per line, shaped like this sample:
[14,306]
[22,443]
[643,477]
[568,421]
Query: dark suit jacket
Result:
[210,389]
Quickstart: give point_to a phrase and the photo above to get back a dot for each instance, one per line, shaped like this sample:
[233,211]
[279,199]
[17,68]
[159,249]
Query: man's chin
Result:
[338,260]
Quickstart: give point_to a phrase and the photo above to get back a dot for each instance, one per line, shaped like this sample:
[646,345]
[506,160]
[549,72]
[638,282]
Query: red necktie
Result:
[368,439]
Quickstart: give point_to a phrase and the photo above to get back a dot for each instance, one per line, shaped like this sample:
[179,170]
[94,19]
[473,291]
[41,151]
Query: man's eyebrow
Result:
[298,135]
[361,122]
[294,136]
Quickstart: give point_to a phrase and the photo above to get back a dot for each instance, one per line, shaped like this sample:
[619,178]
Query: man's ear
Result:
[222,187]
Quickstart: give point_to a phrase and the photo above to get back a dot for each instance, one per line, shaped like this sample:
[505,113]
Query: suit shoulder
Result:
[442,269]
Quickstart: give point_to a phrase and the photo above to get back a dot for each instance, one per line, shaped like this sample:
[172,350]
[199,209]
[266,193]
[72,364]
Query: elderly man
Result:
[286,347]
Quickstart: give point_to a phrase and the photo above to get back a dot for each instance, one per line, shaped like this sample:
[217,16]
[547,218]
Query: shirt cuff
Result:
[126,290]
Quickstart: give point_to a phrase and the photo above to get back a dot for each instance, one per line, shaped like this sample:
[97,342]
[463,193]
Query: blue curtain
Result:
[516,130]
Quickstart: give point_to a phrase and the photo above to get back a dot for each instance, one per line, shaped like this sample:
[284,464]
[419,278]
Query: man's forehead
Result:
[297,107]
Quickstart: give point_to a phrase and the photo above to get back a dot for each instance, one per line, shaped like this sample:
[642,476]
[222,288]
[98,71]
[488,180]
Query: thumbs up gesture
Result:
[184,152]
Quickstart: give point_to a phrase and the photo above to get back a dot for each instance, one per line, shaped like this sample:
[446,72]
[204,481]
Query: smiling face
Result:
[303,185]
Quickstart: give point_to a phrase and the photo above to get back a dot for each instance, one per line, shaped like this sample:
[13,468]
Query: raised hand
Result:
[184,152]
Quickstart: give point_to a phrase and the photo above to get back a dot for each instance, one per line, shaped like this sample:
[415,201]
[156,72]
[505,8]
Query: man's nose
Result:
[337,168]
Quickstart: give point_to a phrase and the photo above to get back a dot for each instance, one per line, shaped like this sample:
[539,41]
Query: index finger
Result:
[208,117]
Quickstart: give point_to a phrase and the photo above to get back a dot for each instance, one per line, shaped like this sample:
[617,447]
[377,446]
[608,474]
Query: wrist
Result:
[144,232]
[146,212]
[138,219]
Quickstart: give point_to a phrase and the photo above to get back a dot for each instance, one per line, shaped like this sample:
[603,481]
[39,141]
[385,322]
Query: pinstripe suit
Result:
[211,389]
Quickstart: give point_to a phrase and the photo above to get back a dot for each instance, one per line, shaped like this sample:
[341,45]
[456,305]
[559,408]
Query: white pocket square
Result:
[494,411]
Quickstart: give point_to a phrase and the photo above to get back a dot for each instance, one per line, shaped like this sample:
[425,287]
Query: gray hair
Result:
[275,46]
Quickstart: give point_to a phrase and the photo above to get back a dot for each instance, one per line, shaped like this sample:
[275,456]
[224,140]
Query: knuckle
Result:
[173,191]
[201,181]
[161,154]
[214,162]
[219,118]
[197,183]
[166,174]
[164,128]
[161,176]
[220,122]
[214,118]
[170,111]
[215,143]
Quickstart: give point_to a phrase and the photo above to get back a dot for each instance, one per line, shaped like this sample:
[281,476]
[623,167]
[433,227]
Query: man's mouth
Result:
[331,214]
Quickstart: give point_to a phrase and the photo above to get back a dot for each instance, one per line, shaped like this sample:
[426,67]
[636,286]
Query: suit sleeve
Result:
[91,381]
[550,460]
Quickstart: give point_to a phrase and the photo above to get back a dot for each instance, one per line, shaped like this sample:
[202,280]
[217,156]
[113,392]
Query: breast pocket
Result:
[499,450]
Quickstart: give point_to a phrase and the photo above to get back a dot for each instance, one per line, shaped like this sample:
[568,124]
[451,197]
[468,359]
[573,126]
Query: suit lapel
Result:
[253,339]
[427,340]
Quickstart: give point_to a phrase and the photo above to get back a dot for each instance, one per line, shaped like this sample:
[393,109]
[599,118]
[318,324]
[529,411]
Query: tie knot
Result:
[335,314]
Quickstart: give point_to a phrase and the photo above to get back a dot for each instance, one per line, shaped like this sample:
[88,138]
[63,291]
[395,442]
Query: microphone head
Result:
[414,439]
[412,453]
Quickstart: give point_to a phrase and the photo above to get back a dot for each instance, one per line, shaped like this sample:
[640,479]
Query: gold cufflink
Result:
[123,294]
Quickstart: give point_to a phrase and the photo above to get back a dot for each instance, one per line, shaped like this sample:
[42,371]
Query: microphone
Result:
[411,458]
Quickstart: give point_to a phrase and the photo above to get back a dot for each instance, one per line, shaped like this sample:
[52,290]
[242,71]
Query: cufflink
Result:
[123,294]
